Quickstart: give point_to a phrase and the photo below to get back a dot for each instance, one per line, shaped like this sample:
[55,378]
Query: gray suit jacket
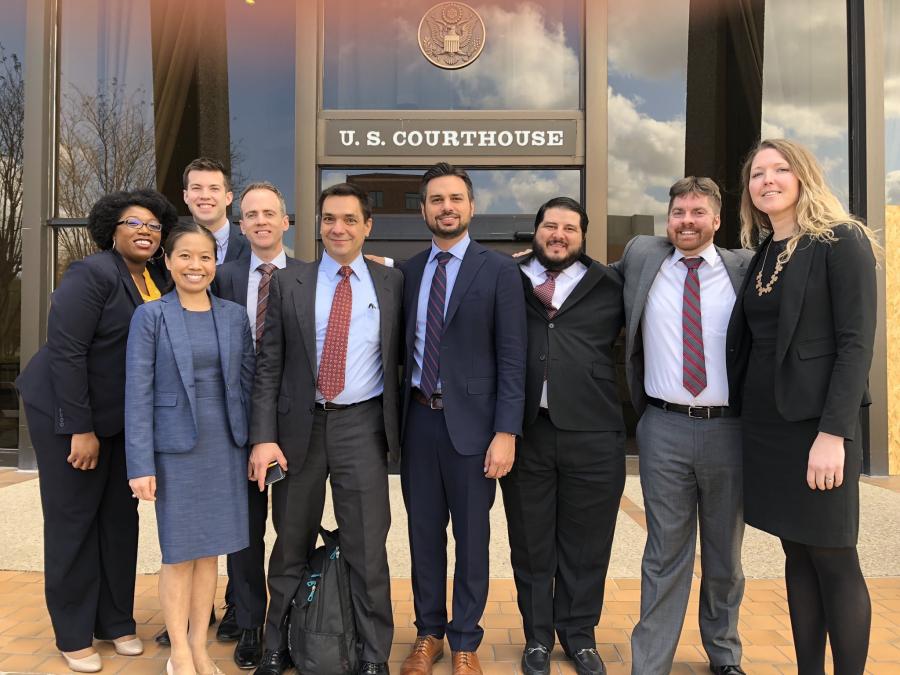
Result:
[643,257]
[284,393]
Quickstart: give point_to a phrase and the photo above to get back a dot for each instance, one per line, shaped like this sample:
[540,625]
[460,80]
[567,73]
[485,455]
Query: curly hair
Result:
[817,212]
[107,211]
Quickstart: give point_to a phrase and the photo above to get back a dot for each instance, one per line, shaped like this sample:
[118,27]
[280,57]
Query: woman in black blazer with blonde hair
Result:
[802,331]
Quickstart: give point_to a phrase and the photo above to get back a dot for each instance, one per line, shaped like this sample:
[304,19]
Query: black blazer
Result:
[78,376]
[826,328]
[238,245]
[575,349]
[233,277]
[284,393]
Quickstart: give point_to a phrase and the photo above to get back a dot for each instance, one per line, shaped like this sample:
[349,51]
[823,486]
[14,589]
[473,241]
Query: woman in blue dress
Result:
[187,397]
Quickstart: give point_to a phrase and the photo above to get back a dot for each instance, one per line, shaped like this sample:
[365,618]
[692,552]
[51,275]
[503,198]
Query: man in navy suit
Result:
[463,402]
[207,193]
[263,221]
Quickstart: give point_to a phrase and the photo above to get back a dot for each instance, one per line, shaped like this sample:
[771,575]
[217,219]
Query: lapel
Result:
[304,297]
[653,260]
[468,270]
[734,265]
[386,300]
[173,316]
[793,277]
[223,334]
[593,276]
[239,283]
[412,273]
[126,279]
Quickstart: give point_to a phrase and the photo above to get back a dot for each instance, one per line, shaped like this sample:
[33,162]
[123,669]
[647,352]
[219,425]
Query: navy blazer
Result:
[160,405]
[78,376]
[238,245]
[482,349]
[233,277]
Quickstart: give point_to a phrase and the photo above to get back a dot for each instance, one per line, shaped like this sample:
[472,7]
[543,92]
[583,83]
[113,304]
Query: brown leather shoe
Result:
[425,652]
[466,663]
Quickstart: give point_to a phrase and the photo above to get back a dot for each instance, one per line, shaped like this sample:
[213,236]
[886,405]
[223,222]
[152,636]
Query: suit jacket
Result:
[78,376]
[483,347]
[285,391]
[575,350]
[232,279]
[826,328]
[238,245]
[640,262]
[160,401]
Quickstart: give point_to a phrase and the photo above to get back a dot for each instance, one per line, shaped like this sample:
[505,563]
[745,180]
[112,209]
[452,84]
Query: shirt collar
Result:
[537,268]
[280,261]
[331,267]
[458,250]
[221,235]
[710,255]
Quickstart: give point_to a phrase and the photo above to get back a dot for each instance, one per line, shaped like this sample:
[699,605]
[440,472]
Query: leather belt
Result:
[436,402]
[328,406]
[697,412]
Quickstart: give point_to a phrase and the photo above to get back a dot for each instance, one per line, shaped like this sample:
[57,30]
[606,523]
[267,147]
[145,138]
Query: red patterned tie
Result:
[334,351]
[266,270]
[544,293]
[693,359]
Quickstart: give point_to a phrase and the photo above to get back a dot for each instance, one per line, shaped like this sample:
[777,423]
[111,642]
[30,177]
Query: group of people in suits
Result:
[747,372]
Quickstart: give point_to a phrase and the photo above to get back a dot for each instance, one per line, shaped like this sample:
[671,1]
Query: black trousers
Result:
[246,588]
[350,447]
[561,500]
[90,538]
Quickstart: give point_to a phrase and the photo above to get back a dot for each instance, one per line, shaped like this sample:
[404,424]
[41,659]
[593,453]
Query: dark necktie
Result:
[434,326]
[266,270]
[334,351]
[544,293]
[693,360]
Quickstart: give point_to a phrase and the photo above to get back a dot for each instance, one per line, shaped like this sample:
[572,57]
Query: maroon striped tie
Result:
[262,300]
[693,360]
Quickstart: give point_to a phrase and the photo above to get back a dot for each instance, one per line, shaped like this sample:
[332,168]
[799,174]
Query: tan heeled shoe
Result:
[132,647]
[91,663]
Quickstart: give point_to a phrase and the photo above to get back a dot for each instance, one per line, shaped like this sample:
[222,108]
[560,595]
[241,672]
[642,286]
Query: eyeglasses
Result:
[136,224]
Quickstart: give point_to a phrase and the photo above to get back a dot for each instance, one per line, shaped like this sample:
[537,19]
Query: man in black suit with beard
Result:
[562,495]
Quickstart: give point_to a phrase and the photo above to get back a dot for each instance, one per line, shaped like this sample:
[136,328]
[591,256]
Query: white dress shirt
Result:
[662,333]
[364,371]
[280,261]
[566,282]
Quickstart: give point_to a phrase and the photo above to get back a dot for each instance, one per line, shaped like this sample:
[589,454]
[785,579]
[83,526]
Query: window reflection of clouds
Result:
[646,104]
[892,101]
[805,81]
[531,58]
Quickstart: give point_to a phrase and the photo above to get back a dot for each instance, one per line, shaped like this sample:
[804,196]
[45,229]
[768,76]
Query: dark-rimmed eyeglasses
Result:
[136,224]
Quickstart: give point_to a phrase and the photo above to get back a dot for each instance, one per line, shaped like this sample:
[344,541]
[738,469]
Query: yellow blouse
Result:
[152,291]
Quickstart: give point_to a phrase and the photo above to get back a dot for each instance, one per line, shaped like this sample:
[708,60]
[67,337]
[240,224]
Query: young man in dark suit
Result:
[263,221]
[463,399]
[325,403]
[562,495]
[207,193]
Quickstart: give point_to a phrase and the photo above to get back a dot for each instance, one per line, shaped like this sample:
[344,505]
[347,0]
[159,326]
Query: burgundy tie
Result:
[334,351]
[693,359]
[266,270]
[544,293]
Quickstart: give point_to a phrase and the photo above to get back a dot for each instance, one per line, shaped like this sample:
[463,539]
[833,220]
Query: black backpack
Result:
[322,627]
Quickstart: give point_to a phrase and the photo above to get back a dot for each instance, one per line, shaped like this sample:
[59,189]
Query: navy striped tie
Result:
[434,326]
[693,359]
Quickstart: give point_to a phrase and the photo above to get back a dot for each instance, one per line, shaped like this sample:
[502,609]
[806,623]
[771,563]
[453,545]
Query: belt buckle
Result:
[327,406]
[705,409]
[436,402]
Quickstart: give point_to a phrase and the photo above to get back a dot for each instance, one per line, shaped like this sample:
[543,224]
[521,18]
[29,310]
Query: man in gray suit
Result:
[679,292]
[325,403]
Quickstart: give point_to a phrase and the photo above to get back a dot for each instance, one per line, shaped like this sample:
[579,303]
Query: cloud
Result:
[648,38]
[892,187]
[892,96]
[522,191]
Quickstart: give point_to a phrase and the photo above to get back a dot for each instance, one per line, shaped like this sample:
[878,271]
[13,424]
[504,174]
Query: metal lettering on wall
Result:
[405,138]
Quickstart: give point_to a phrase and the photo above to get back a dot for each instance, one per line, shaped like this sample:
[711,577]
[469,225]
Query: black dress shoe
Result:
[273,663]
[248,651]
[535,659]
[162,637]
[228,630]
[726,670]
[369,668]
[588,662]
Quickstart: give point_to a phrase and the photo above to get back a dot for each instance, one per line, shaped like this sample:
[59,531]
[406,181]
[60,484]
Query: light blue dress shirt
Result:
[364,372]
[221,236]
[457,253]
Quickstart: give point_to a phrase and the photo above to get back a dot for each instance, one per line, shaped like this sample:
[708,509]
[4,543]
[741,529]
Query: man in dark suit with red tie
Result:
[463,399]
[325,404]
[562,496]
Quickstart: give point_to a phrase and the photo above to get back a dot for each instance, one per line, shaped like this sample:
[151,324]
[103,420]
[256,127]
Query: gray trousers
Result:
[690,470]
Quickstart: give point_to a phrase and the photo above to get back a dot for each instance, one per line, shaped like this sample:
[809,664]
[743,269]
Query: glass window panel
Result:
[646,123]
[892,106]
[70,243]
[531,58]
[805,81]
[12,138]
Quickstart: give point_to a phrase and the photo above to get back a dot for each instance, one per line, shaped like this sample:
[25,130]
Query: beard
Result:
[555,265]
[447,233]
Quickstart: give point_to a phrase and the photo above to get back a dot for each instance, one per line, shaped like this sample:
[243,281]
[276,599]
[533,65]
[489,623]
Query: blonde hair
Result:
[817,211]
